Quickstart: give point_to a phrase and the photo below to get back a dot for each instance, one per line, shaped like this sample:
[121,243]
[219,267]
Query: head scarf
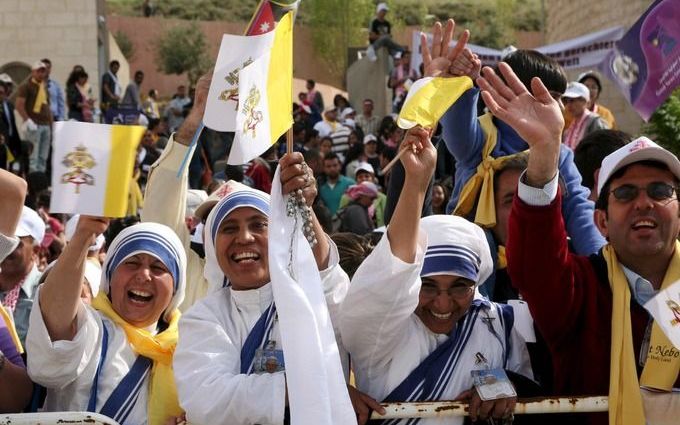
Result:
[456,247]
[241,196]
[362,189]
[156,240]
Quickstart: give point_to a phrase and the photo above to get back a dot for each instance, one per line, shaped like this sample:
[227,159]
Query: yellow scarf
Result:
[135,199]
[10,327]
[163,400]
[41,97]
[660,372]
[502,259]
[480,185]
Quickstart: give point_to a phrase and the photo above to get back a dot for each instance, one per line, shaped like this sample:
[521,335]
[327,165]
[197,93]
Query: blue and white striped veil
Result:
[154,239]
[239,196]
[457,247]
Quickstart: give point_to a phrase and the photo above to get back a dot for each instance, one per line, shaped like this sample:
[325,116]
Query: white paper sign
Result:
[524,323]
[665,308]
[236,52]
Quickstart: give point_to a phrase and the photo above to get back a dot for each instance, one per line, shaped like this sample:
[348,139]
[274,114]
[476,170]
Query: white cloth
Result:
[317,391]
[324,128]
[67,368]
[207,359]
[387,341]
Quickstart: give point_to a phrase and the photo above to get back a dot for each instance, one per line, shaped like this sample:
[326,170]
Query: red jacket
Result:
[569,298]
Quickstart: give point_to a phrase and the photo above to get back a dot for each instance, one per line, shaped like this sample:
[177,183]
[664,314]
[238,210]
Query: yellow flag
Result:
[429,98]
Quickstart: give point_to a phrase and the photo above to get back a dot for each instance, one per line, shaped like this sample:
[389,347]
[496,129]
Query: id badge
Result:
[268,359]
[492,384]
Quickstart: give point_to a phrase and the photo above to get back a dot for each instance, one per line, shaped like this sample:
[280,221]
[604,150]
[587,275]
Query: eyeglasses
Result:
[657,191]
[458,291]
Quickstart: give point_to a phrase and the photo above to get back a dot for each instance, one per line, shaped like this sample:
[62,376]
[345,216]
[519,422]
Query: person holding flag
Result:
[114,358]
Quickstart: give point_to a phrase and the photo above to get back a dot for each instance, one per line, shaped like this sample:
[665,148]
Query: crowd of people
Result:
[506,242]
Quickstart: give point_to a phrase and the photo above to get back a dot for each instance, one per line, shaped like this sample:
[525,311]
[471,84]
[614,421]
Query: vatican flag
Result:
[429,98]
[92,167]
[265,108]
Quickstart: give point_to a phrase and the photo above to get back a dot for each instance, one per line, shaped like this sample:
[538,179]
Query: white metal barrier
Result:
[55,418]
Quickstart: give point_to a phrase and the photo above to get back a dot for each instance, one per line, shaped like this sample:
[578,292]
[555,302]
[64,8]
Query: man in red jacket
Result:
[591,309]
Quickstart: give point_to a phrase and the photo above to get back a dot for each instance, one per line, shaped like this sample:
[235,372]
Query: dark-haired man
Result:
[335,184]
[486,139]
[590,309]
[111,88]
[132,98]
[592,150]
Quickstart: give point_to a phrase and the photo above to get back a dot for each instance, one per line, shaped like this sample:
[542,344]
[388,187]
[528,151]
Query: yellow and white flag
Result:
[665,308]
[429,98]
[236,52]
[92,167]
[265,109]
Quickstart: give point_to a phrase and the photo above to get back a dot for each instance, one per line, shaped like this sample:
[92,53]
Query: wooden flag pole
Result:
[438,409]
[289,141]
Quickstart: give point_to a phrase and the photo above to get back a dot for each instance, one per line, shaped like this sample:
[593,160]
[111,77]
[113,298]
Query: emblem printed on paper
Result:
[253,117]
[231,78]
[78,162]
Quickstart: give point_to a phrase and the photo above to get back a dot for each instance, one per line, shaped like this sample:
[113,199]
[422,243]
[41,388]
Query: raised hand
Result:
[91,227]
[419,157]
[535,116]
[466,64]
[295,174]
[438,61]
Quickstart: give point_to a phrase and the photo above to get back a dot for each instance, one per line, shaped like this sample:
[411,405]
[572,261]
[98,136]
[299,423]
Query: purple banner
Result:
[127,116]
[645,63]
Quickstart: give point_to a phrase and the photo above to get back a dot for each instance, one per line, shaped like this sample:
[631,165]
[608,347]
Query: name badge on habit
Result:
[268,359]
[492,384]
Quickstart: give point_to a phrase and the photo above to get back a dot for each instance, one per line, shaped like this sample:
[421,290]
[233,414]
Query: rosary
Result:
[297,208]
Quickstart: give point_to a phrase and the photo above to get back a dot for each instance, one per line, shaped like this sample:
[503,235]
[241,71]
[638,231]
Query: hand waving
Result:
[438,62]
[419,157]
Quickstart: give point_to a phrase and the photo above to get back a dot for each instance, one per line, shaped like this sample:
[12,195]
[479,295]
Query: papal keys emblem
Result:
[253,117]
[78,162]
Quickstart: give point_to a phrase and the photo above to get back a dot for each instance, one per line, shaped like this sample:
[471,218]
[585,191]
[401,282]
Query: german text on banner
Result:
[645,63]
[665,308]
[265,108]
[317,392]
[429,98]
[92,167]
[236,52]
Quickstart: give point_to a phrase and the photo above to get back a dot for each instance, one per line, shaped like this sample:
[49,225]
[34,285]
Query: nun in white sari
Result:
[416,329]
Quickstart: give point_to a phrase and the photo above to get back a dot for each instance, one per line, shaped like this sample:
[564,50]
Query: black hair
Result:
[46,61]
[593,148]
[114,62]
[594,77]
[527,64]
[311,82]
[602,202]
[139,73]
[518,162]
[330,156]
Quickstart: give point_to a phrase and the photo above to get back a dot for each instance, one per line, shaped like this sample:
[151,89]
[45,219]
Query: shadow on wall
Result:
[19,71]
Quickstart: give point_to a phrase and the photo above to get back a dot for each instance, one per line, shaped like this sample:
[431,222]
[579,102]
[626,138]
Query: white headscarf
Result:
[154,239]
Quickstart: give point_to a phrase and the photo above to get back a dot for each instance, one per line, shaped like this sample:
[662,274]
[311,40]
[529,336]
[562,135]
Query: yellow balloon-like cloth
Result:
[480,185]
[163,400]
[429,98]
[659,373]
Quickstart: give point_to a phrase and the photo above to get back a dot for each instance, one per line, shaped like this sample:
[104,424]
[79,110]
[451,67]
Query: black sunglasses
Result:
[657,191]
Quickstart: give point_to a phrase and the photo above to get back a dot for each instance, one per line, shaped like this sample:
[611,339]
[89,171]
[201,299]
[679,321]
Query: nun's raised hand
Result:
[418,156]
[90,227]
[296,175]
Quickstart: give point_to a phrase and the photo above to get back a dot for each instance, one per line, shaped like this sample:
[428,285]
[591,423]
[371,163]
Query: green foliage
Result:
[125,45]
[408,11]
[337,25]
[664,124]
[183,49]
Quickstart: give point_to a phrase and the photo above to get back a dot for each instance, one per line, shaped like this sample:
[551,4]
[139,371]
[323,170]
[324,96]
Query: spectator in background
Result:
[366,173]
[261,170]
[150,105]
[347,117]
[440,196]
[380,34]
[33,104]
[356,216]
[368,122]
[584,122]
[326,146]
[338,133]
[8,129]
[592,150]
[591,80]
[175,109]
[132,97]
[56,94]
[314,97]
[401,79]
[389,134]
[80,105]
[340,102]
[335,185]
[111,88]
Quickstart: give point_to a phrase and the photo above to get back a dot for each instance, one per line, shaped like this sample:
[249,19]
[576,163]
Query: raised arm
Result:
[12,193]
[60,294]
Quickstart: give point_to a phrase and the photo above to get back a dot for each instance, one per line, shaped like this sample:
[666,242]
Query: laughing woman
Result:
[115,358]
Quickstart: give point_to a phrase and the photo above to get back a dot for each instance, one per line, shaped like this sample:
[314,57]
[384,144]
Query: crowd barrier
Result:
[55,418]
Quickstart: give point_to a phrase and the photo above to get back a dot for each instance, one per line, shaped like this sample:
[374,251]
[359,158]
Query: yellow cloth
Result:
[163,400]
[429,98]
[502,259]
[41,97]
[480,185]
[10,156]
[136,198]
[625,401]
[12,330]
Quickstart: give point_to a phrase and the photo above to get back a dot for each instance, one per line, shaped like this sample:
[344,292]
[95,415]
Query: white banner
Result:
[581,52]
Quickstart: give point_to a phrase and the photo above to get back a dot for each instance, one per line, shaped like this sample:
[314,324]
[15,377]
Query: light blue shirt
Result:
[641,289]
[57,104]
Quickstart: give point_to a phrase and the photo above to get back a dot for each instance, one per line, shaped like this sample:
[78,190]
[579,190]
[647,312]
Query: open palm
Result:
[438,60]
[536,117]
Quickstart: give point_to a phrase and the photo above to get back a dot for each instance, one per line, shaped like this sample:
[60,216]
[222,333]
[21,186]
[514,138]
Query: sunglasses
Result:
[657,191]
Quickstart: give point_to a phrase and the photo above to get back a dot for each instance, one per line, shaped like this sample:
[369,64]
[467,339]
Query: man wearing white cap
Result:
[33,104]
[380,33]
[592,311]
[584,121]
[412,320]
[19,272]
[366,173]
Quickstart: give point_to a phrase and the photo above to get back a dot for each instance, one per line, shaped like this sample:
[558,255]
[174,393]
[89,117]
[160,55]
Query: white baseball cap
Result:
[370,138]
[30,224]
[347,111]
[640,149]
[381,7]
[364,166]
[576,90]
[38,65]
[5,78]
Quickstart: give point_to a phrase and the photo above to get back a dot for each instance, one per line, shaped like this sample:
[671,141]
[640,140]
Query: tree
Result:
[337,25]
[664,124]
[183,49]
